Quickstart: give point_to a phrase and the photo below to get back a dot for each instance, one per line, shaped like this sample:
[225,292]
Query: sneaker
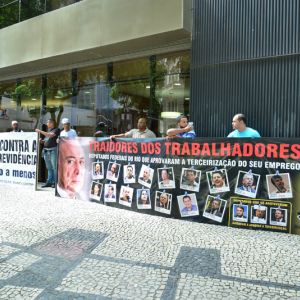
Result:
[46,185]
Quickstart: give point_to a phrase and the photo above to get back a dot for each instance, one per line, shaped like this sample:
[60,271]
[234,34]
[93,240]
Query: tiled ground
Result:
[53,248]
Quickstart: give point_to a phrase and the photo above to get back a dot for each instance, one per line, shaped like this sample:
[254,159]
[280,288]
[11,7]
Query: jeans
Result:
[50,157]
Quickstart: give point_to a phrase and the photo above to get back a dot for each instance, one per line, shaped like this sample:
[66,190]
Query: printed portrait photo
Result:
[188,205]
[165,178]
[214,208]
[97,170]
[279,186]
[218,181]
[146,176]
[190,180]
[259,214]
[129,174]
[110,192]
[240,213]
[126,195]
[278,216]
[163,202]
[247,184]
[113,171]
[143,199]
[96,189]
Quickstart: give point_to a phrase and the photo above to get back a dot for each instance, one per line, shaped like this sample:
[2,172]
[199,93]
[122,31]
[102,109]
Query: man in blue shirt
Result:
[183,130]
[240,128]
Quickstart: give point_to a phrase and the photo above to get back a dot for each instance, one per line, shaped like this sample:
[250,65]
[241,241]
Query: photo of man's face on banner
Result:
[259,214]
[113,171]
[165,178]
[146,176]
[190,179]
[110,194]
[129,174]
[126,195]
[240,213]
[163,202]
[97,170]
[278,216]
[247,184]
[188,205]
[214,208]
[218,181]
[279,186]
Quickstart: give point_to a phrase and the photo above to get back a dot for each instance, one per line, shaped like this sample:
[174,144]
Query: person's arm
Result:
[47,134]
[126,134]
[174,131]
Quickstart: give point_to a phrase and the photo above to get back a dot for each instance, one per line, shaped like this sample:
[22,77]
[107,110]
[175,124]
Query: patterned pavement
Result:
[53,248]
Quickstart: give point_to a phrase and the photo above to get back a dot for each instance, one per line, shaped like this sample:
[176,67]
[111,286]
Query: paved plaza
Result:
[53,248]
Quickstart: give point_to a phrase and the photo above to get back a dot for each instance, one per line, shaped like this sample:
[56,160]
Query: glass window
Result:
[172,87]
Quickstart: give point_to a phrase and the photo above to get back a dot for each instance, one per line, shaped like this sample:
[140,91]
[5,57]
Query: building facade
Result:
[97,62]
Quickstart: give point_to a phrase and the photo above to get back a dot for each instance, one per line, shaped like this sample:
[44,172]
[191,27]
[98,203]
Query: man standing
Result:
[183,130]
[49,152]
[141,132]
[67,132]
[15,126]
[240,128]
[71,169]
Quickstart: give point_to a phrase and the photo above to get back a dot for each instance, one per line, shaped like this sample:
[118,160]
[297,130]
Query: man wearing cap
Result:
[15,127]
[183,130]
[67,132]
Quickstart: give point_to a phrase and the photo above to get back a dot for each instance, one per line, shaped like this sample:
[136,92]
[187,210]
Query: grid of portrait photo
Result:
[131,185]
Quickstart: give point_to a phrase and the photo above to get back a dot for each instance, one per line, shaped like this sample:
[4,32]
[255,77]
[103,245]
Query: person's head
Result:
[164,174]
[96,189]
[110,190]
[144,197]
[190,176]
[239,122]
[277,182]
[187,201]
[240,211]
[182,121]
[260,213]
[50,124]
[15,125]
[215,204]
[217,179]
[126,193]
[129,171]
[248,180]
[142,124]
[71,167]
[97,168]
[163,198]
[114,168]
[278,214]
[66,124]
[146,174]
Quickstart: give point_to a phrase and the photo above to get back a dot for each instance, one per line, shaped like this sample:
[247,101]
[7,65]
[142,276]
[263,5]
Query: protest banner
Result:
[182,178]
[18,156]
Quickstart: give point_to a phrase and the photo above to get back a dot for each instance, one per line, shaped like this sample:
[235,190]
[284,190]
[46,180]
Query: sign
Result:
[196,179]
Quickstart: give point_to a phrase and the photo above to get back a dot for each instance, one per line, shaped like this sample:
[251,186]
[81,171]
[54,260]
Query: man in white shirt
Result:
[67,132]
[142,132]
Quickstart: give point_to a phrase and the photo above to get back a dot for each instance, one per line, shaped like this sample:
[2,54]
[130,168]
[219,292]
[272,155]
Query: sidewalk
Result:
[53,248]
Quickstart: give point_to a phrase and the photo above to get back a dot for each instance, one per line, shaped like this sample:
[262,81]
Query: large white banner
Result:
[18,157]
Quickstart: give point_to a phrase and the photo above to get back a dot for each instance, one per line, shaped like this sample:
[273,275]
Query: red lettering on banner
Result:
[236,150]
[206,150]
[272,150]
[195,149]
[247,149]
[225,149]
[295,151]
[260,150]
